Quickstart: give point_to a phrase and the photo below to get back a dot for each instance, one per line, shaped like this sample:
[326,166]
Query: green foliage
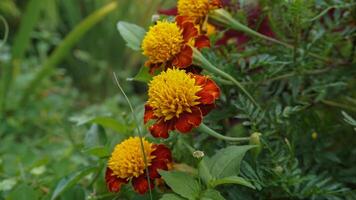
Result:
[57,133]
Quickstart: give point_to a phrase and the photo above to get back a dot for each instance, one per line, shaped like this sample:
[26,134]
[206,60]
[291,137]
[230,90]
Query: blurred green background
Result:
[56,70]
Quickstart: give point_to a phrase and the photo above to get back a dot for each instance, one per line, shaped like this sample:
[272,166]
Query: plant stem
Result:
[198,57]
[339,105]
[205,129]
[225,18]
[139,131]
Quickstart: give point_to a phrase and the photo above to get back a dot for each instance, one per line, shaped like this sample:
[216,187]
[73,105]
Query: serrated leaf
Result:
[226,162]
[69,181]
[211,194]
[182,183]
[232,180]
[132,34]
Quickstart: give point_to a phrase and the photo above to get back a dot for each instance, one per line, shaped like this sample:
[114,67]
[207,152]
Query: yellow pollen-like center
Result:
[162,42]
[127,160]
[171,93]
[194,9]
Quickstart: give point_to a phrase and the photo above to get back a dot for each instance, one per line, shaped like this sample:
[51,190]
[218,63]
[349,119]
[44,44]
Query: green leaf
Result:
[23,192]
[232,180]
[105,121]
[143,75]
[95,137]
[100,152]
[203,169]
[182,183]
[226,162]
[70,181]
[171,197]
[132,34]
[211,194]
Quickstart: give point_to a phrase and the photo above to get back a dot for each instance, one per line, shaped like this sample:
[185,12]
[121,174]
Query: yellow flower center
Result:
[127,161]
[195,9]
[171,93]
[163,41]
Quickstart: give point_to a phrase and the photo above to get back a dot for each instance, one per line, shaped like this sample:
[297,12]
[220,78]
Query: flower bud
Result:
[198,154]
[255,140]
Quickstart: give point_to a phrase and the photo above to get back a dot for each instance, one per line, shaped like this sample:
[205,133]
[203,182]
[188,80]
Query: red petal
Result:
[181,20]
[155,165]
[184,58]
[161,128]
[209,93]
[187,121]
[202,41]
[148,114]
[215,4]
[189,31]
[113,182]
[170,12]
[206,108]
[140,184]
[162,152]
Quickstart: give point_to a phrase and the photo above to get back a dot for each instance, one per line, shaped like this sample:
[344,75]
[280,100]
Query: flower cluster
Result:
[178,98]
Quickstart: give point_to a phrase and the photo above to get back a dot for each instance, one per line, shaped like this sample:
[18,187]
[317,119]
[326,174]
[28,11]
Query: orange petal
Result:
[209,93]
[148,114]
[189,31]
[200,80]
[140,184]
[113,182]
[187,121]
[161,128]
[202,41]
[184,58]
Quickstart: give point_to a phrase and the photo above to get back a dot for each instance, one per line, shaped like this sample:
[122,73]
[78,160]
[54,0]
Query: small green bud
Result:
[255,140]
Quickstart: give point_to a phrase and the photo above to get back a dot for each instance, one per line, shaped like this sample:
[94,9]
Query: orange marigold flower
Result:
[177,100]
[169,44]
[128,163]
[197,10]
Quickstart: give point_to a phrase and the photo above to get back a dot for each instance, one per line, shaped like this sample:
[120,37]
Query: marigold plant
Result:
[178,101]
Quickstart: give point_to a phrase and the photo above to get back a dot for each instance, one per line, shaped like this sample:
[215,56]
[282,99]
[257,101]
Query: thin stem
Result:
[205,129]
[198,57]
[138,130]
[339,105]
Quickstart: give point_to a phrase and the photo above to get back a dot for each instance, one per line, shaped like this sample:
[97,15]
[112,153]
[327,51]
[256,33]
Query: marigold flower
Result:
[169,43]
[178,100]
[128,163]
[197,9]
